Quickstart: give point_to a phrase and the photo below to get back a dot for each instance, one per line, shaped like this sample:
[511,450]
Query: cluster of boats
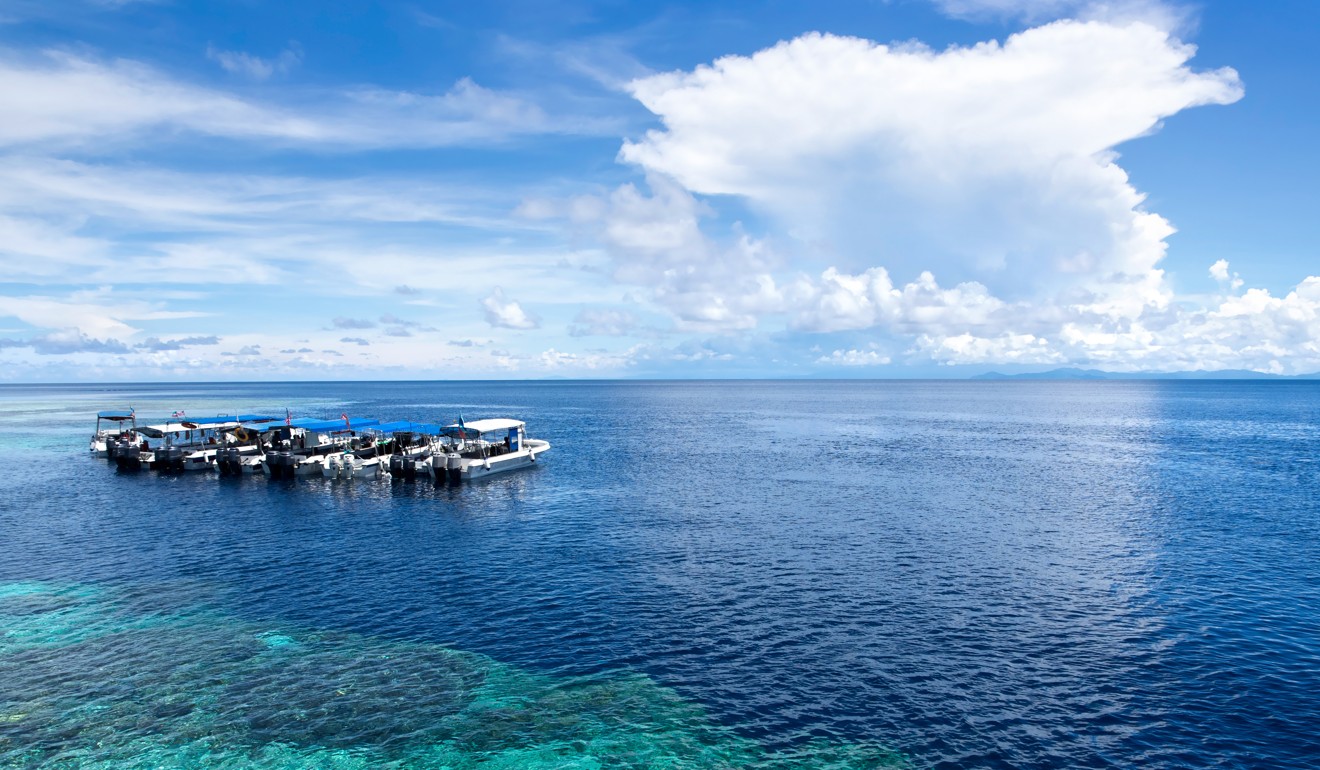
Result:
[347,448]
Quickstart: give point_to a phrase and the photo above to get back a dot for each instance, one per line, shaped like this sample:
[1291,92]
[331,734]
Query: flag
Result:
[347,424]
[132,413]
[177,414]
[288,418]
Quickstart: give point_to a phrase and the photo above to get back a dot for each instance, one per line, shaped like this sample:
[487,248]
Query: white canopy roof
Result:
[492,425]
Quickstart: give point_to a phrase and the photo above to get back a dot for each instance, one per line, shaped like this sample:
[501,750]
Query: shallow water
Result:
[783,574]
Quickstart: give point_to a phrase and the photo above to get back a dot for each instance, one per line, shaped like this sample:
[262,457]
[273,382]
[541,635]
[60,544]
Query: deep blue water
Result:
[700,574]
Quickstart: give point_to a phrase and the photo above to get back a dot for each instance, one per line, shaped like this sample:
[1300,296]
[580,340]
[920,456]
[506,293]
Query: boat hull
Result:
[474,470]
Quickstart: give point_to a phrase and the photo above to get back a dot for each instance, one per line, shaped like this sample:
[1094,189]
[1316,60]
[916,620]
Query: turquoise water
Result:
[96,678]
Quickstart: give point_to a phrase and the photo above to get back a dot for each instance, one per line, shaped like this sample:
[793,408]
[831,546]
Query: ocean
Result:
[763,574]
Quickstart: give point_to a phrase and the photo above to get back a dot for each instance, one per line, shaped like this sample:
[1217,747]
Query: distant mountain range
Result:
[1096,374]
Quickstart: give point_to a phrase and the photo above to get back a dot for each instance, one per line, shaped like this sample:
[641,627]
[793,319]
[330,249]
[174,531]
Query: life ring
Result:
[241,434]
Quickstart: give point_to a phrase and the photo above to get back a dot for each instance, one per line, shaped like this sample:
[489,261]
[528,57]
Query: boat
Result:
[483,448]
[166,446]
[104,438]
[245,451]
[300,447]
[408,447]
[347,466]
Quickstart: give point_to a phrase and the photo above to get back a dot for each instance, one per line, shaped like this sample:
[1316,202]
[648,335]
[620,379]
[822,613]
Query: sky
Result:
[885,188]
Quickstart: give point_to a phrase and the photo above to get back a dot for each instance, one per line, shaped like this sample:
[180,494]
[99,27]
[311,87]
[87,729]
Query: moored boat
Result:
[167,446]
[483,448]
[300,447]
[408,448]
[104,438]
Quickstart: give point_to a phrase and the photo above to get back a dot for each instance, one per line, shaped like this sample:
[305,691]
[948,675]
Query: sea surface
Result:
[698,575]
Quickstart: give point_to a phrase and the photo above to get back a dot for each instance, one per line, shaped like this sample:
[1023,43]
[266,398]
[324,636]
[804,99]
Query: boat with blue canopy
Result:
[103,438]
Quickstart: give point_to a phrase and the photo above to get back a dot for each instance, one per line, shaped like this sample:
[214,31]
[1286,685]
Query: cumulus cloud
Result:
[354,341]
[506,314]
[839,301]
[968,201]
[1219,272]
[854,357]
[991,162]
[656,241]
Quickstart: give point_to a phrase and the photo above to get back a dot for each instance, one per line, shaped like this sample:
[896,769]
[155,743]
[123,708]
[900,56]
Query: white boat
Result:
[211,458]
[166,446]
[99,446]
[483,448]
[407,448]
[300,447]
[348,466]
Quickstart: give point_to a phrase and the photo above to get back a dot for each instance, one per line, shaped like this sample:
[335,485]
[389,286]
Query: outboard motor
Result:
[396,467]
[281,465]
[226,462]
[409,468]
[454,468]
[169,458]
[129,458]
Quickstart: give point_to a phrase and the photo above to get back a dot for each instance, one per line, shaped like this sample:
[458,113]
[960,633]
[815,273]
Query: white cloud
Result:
[656,241]
[72,99]
[506,314]
[1006,348]
[62,96]
[97,313]
[854,357]
[1219,272]
[79,223]
[989,162]
[990,167]
[255,67]
[839,301]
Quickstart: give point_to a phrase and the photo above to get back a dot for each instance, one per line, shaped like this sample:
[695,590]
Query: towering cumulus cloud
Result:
[990,169]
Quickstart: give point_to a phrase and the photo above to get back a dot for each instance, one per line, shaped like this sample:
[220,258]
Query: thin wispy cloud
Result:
[255,67]
[68,98]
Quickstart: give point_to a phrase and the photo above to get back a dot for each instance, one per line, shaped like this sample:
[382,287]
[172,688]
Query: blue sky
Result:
[860,189]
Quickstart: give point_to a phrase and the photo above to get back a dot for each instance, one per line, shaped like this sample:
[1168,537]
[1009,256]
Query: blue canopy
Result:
[406,426]
[261,426]
[116,415]
[328,426]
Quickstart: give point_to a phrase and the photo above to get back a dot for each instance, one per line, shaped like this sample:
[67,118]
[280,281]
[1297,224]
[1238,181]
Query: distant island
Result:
[1072,373]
